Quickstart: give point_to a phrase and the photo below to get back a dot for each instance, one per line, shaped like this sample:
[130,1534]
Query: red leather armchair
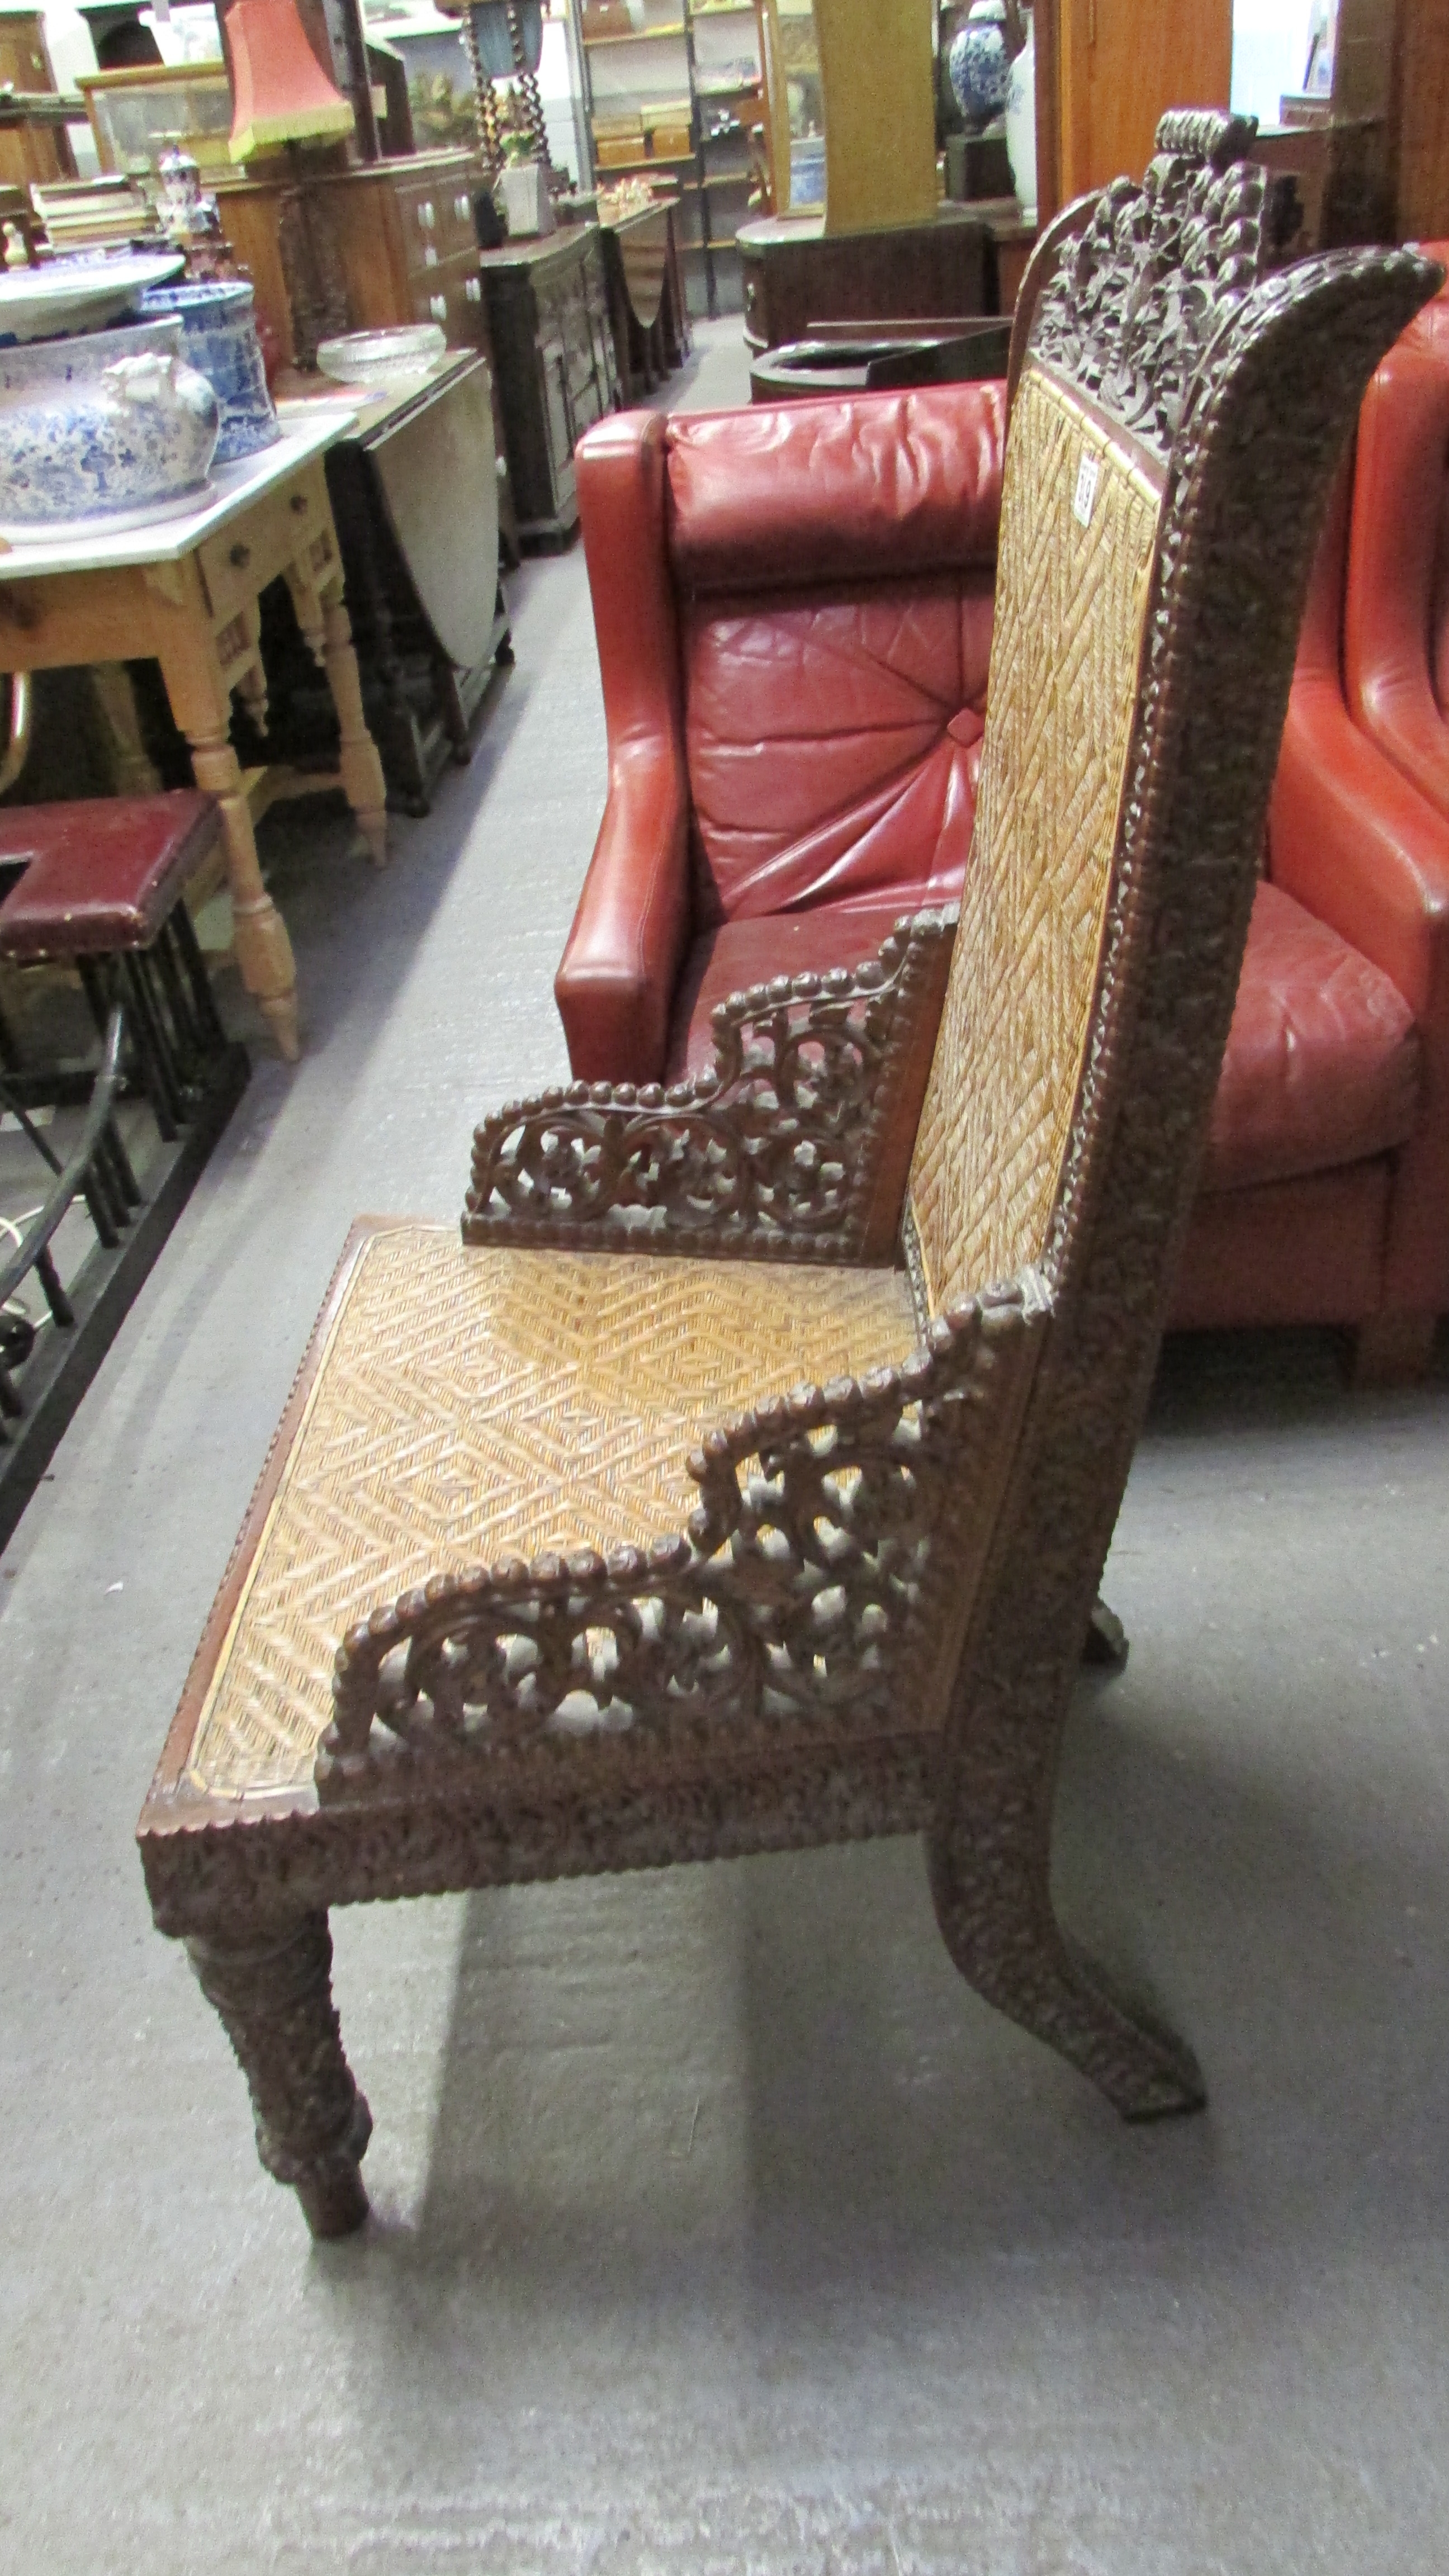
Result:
[793,613]
[1326,1192]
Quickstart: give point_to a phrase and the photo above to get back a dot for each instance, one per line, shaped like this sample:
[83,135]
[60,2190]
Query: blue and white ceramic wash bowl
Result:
[218,316]
[110,427]
[979,64]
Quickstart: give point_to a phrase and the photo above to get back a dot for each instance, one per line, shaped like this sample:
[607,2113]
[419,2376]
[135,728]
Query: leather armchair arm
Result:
[794,1144]
[615,985]
[1356,845]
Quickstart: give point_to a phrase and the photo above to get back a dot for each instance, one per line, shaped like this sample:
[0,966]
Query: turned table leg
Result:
[201,704]
[322,616]
[273,1990]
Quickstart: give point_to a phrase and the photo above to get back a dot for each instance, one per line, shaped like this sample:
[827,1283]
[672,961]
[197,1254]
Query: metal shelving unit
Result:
[713,191]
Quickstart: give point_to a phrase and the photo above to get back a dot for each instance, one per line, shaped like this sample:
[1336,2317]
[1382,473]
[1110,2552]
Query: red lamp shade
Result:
[280,93]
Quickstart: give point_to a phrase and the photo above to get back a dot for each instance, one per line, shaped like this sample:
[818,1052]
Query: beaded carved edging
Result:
[810,1584]
[772,1151]
[1136,298]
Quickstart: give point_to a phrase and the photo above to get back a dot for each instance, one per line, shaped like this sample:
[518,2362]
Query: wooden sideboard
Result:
[401,242]
[795,275]
[556,374]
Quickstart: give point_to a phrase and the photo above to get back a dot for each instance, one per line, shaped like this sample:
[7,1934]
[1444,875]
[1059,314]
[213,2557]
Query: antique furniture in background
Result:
[794,276]
[405,243]
[648,310]
[100,886]
[414,491]
[845,358]
[1106,70]
[656,95]
[134,113]
[185,590]
[555,372]
[641,1604]
[793,615]
[32,146]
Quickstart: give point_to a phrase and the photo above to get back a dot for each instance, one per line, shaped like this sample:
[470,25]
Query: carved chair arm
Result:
[794,1144]
[837,1540]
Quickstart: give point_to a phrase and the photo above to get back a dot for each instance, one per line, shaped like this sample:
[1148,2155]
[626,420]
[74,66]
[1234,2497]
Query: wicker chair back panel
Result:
[1078,534]
[472,1403]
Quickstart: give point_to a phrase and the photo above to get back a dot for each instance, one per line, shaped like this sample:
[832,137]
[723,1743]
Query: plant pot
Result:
[113,425]
[219,326]
[526,204]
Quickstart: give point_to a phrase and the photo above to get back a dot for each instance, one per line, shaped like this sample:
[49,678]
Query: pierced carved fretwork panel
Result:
[1079,529]
[1158,269]
[775,1151]
[821,1588]
[474,1402]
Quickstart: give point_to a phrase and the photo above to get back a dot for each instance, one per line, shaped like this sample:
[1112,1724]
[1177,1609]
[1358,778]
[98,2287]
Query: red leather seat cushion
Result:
[742,953]
[101,875]
[834,743]
[1323,1060]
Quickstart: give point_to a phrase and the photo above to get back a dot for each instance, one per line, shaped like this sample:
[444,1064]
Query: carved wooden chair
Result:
[572,1560]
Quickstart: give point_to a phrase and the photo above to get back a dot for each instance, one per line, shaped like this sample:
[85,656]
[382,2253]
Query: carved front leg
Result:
[273,1990]
[793,1145]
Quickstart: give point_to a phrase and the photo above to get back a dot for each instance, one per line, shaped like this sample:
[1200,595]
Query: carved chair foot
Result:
[1106,1646]
[273,1990]
[1002,1935]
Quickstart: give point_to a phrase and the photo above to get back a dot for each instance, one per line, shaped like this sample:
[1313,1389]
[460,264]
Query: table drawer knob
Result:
[241,556]
[462,208]
[502,469]
[426,217]
[300,505]
[473,289]
[438,307]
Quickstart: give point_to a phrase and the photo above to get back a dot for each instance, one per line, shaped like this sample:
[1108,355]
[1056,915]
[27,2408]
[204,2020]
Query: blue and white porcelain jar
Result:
[979,63]
[107,426]
[218,316]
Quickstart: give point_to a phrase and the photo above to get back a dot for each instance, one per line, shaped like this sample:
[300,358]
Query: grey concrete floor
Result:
[718,2227]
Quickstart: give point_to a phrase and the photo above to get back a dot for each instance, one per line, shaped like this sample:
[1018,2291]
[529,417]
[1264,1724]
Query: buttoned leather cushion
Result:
[102,874]
[1323,1063]
[741,953]
[834,744]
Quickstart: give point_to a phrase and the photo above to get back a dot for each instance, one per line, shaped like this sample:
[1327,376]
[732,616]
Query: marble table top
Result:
[232,489]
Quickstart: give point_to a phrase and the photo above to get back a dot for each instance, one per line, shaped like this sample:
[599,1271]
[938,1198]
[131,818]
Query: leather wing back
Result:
[1081,511]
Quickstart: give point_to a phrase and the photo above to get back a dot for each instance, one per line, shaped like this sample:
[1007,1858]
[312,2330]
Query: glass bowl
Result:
[365,357]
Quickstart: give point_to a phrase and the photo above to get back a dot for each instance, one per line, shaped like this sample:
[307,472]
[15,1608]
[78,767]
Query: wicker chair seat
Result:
[458,1407]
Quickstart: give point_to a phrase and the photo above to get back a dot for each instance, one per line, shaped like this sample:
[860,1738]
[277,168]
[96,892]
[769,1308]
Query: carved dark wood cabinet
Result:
[548,313]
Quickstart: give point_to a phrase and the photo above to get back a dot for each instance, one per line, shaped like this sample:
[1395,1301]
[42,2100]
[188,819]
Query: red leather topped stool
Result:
[98,886]
[101,889]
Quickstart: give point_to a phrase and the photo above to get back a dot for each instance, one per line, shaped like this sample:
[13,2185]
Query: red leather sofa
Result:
[793,612]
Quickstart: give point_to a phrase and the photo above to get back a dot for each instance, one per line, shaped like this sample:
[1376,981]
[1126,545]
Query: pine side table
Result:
[185,590]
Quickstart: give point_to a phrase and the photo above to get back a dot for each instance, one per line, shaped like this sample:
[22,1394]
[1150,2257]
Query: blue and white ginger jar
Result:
[218,316]
[105,423]
[979,64]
